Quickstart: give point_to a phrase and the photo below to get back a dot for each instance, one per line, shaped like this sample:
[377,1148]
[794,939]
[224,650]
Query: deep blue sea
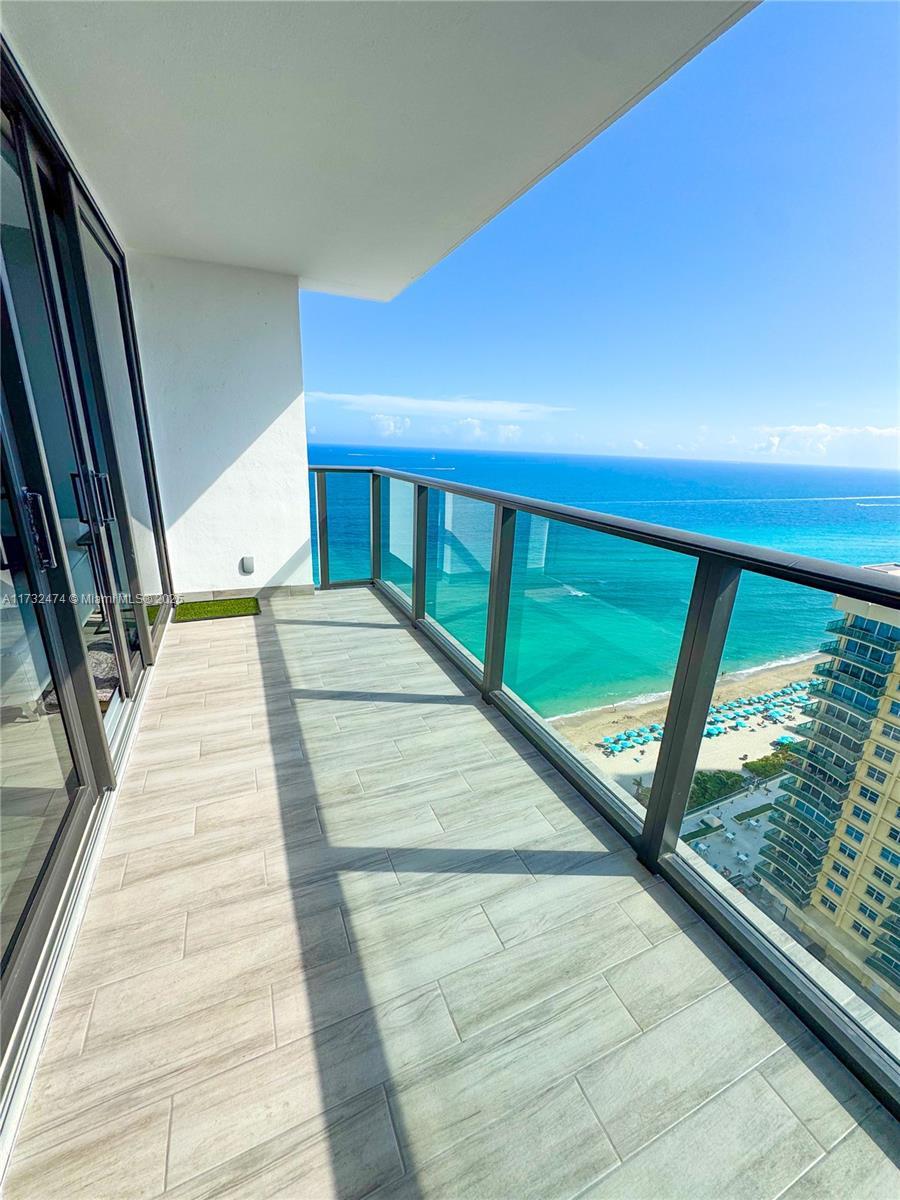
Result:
[595,619]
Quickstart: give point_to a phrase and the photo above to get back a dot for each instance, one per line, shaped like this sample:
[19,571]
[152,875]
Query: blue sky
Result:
[715,276]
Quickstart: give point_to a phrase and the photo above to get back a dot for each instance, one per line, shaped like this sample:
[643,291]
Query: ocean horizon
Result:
[581,634]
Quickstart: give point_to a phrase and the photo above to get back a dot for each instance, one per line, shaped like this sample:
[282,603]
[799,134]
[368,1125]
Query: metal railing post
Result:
[322,526]
[419,546]
[709,613]
[375,524]
[498,598]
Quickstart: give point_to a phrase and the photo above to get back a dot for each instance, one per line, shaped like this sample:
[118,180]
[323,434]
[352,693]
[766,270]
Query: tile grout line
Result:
[393,1124]
[590,1105]
[168,1143]
[449,1011]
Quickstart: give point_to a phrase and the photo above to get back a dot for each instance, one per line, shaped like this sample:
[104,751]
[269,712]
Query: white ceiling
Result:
[352,144]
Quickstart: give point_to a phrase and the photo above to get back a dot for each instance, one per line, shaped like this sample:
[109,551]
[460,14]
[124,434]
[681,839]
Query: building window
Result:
[894,833]
[834,887]
[891,731]
[840,869]
[871,913]
[884,754]
[875,775]
[882,874]
[861,814]
[867,793]
[829,904]
[890,856]
[860,929]
[895,708]
[846,850]
[855,834]
[874,894]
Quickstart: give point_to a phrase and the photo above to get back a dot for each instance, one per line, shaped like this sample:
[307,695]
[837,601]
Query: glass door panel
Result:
[82,535]
[103,283]
[38,780]
[106,504]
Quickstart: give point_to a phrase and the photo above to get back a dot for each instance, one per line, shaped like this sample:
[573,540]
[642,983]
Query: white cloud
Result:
[805,439]
[461,407]
[390,426]
[638,445]
[472,428]
[509,433]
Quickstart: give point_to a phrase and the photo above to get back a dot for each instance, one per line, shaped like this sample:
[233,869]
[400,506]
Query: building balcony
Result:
[836,672]
[798,895]
[822,691]
[892,645]
[828,800]
[841,652]
[813,756]
[890,972]
[817,834]
[350,932]
[802,848]
[828,730]
[804,878]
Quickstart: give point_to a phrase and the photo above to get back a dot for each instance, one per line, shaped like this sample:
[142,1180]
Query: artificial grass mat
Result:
[211,610]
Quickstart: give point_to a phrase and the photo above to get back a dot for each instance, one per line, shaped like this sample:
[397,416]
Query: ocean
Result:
[596,620]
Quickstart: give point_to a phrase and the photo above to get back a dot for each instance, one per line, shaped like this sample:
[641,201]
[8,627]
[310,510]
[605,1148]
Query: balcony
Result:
[355,930]
[815,758]
[838,674]
[350,931]
[841,651]
[822,691]
[828,730]
[794,843]
[818,834]
[799,895]
[892,645]
[824,802]
[803,877]
[884,967]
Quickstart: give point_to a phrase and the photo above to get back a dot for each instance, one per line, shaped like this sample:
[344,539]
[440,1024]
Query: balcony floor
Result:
[351,935]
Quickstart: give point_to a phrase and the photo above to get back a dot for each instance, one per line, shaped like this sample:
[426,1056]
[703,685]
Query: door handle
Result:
[40,529]
[104,498]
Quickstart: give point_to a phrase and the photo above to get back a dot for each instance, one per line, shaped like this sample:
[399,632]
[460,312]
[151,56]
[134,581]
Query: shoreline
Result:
[742,675]
[586,729]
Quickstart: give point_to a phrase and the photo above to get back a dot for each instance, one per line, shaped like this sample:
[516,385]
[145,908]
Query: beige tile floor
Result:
[351,936]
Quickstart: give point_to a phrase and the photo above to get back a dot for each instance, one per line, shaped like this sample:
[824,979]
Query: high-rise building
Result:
[833,852]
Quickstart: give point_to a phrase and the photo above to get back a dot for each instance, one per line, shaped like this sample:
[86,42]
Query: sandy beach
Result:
[585,730]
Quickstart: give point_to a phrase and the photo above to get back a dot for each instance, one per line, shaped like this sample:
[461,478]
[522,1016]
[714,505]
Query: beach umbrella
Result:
[644,729]
[741,724]
[607,739]
[628,744]
[655,725]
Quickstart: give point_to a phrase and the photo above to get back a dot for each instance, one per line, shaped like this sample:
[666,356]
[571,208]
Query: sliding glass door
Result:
[85,589]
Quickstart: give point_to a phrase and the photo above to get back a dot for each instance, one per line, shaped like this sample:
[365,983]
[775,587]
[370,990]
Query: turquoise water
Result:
[595,619]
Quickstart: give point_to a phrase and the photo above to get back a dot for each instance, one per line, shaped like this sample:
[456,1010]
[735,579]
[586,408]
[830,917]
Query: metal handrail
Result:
[857,582]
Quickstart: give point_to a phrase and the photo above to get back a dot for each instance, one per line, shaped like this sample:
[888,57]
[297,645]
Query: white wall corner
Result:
[220,352]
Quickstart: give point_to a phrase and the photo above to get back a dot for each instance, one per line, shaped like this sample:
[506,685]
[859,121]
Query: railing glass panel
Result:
[589,651]
[759,792]
[397,502]
[458,566]
[349,531]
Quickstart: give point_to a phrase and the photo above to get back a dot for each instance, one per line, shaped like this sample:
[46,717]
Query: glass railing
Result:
[843,652]
[673,679]
[892,645]
[836,672]
[458,568]
[821,691]
[833,732]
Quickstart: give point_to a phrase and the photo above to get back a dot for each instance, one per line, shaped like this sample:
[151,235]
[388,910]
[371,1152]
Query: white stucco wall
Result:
[220,352]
